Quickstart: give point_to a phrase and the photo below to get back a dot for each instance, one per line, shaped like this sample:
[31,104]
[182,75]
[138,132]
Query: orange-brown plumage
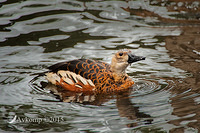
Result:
[91,75]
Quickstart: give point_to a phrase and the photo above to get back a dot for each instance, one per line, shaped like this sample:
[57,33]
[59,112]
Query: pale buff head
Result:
[122,59]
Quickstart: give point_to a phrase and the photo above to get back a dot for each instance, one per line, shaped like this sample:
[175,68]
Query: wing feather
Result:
[87,68]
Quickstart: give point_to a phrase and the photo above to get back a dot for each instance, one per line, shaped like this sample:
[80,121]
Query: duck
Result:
[87,75]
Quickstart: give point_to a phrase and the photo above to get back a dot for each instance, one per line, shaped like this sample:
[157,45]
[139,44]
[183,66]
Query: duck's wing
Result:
[82,67]
[78,75]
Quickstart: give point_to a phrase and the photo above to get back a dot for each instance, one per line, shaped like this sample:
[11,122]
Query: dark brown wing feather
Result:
[97,71]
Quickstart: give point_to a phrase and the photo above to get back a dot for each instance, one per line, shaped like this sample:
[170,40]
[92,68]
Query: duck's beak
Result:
[133,58]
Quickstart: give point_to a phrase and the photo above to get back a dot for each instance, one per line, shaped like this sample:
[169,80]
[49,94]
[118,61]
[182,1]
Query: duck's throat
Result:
[119,77]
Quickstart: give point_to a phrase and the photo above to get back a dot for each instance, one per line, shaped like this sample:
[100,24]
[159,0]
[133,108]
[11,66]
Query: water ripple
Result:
[36,34]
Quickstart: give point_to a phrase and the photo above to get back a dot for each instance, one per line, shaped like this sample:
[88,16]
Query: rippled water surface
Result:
[36,34]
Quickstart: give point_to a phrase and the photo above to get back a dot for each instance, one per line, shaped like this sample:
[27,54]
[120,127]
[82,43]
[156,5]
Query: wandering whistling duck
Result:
[83,75]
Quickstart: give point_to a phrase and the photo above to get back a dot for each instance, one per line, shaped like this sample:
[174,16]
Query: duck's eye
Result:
[120,54]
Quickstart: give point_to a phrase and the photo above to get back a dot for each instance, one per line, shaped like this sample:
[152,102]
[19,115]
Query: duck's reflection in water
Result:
[129,110]
[123,102]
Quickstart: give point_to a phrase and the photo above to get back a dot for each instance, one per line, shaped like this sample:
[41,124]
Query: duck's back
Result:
[80,74]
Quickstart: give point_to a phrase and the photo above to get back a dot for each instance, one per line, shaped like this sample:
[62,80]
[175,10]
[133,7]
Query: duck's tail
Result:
[70,81]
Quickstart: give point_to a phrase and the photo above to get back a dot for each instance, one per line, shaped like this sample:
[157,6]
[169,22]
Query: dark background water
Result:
[36,34]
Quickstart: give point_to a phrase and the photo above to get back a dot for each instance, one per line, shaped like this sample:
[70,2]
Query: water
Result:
[37,34]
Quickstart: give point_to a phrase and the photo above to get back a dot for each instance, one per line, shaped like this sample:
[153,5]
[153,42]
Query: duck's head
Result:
[122,59]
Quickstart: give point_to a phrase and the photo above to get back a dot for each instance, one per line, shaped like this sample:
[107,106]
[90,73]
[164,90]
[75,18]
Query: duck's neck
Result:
[119,77]
[118,74]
